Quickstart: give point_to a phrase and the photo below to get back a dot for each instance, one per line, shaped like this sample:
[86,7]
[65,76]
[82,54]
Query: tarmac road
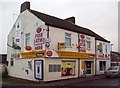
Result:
[115,81]
[90,81]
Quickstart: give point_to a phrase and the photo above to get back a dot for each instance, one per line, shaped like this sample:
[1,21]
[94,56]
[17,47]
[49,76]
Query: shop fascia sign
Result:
[67,54]
[34,54]
[56,54]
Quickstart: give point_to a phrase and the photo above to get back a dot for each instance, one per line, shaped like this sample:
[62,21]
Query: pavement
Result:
[66,82]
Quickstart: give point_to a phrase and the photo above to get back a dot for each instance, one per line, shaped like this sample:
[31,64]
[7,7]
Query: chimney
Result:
[24,6]
[71,19]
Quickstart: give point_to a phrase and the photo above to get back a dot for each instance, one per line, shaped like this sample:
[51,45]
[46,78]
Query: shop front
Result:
[57,65]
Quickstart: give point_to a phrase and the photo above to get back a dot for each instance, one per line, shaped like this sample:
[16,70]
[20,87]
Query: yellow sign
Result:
[61,45]
[67,54]
[34,54]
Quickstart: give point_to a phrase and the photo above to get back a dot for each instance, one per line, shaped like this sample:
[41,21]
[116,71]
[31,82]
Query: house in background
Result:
[45,48]
[115,56]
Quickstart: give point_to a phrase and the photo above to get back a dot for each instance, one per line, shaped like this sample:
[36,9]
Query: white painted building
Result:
[103,58]
[46,48]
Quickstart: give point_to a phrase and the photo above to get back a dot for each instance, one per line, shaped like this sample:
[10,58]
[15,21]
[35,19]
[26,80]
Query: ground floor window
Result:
[54,68]
[11,62]
[68,68]
[102,65]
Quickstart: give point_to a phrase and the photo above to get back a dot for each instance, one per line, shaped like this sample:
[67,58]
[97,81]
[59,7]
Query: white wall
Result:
[28,24]
[48,76]
[103,48]
[98,66]
[58,35]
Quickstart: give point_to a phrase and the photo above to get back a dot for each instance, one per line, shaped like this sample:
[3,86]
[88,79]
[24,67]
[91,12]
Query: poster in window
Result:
[38,69]
[68,68]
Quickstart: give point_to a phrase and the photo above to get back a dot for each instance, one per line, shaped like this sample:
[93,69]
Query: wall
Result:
[102,48]
[28,23]
[49,76]
[98,66]
[58,35]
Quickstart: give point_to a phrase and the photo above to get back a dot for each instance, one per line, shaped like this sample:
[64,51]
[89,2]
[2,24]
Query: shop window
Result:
[88,43]
[27,39]
[102,65]
[54,68]
[68,39]
[11,62]
[68,68]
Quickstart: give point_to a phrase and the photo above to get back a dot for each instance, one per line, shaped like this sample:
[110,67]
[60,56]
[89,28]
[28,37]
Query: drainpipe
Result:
[95,58]
[78,59]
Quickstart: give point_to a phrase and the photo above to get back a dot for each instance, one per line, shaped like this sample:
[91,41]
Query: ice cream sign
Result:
[38,40]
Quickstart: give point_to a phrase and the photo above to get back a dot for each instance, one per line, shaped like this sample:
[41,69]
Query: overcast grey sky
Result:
[101,16]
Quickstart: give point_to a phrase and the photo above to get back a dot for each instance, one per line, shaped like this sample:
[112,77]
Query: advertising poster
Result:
[18,33]
[38,69]
[38,40]
[82,43]
[68,68]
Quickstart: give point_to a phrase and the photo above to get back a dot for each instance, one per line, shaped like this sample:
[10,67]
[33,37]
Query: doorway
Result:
[88,67]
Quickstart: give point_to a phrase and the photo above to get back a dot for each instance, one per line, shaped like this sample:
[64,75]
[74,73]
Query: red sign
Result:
[38,42]
[49,53]
[82,43]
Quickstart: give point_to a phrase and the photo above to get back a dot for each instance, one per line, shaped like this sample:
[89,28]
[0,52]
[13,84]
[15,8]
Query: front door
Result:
[88,67]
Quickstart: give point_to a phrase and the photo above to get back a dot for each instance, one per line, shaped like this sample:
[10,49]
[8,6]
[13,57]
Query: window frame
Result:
[88,41]
[27,38]
[54,68]
[101,64]
[68,36]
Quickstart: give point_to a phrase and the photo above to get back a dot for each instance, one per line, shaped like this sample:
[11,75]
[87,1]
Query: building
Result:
[45,48]
[115,56]
[103,58]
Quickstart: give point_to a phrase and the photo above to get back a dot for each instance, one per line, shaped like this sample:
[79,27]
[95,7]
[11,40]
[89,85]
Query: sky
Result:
[100,16]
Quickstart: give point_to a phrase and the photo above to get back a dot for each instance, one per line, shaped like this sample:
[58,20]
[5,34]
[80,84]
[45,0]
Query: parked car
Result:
[112,71]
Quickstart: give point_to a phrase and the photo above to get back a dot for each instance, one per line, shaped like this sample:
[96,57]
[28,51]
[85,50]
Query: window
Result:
[27,39]
[54,68]
[11,62]
[13,44]
[102,65]
[106,48]
[88,42]
[68,39]
[68,68]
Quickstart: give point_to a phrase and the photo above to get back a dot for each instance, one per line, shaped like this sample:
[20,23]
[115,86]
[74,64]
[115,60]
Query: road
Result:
[115,81]
[103,82]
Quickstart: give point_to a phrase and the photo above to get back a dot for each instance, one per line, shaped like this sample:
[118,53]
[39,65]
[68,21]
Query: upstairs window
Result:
[106,48]
[27,39]
[68,39]
[88,43]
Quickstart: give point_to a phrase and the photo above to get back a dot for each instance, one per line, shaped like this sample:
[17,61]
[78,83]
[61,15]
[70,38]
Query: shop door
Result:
[88,67]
